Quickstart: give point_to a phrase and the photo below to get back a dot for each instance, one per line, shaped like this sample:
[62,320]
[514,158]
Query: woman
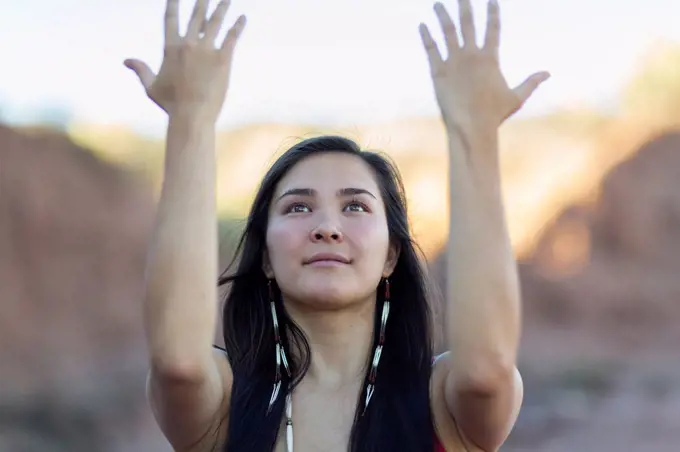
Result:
[326,324]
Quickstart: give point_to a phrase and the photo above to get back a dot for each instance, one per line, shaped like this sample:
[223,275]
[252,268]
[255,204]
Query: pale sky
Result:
[319,61]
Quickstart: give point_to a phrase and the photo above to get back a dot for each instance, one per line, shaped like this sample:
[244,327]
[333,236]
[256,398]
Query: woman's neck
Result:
[340,342]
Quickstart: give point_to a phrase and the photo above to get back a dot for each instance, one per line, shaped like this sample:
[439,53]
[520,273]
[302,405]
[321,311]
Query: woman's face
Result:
[327,240]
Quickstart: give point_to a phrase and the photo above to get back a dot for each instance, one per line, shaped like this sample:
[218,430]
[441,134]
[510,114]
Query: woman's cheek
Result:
[284,238]
[368,235]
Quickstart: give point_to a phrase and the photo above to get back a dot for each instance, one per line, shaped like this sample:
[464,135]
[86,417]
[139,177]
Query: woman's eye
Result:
[356,207]
[298,208]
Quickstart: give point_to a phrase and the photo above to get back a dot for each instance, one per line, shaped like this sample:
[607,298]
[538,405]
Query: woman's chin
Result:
[327,297]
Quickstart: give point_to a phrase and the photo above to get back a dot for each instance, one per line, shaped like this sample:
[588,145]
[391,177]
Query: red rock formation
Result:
[73,234]
[601,309]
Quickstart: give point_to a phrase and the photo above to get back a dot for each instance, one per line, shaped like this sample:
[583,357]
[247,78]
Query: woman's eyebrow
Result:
[350,191]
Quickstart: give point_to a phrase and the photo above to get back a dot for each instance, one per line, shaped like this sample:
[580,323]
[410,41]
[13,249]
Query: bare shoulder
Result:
[447,426]
[193,414]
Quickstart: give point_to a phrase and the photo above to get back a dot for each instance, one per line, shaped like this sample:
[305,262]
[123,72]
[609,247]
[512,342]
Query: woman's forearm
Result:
[483,310]
[181,295]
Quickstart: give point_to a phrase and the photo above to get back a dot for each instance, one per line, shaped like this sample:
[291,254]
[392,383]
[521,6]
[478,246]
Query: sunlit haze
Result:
[354,61]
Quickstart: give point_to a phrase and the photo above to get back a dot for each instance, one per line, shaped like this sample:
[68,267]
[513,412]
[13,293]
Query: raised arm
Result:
[483,389]
[189,384]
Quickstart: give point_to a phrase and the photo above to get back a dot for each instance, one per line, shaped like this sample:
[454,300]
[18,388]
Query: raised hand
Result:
[194,75]
[469,85]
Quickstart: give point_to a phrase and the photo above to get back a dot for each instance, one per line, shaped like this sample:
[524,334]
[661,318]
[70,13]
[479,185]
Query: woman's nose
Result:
[326,232]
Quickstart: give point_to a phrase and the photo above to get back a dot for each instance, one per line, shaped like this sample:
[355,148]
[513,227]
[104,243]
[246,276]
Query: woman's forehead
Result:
[329,171]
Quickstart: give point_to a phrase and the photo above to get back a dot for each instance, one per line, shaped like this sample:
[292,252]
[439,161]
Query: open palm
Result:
[194,73]
[469,84]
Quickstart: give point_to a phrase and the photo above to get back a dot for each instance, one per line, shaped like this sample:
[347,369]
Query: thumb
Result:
[143,71]
[527,88]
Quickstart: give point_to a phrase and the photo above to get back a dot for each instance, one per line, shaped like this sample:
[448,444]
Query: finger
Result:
[433,55]
[493,27]
[143,71]
[527,88]
[448,27]
[197,21]
[467,24]
[233,35]
[172,21]
[214,25]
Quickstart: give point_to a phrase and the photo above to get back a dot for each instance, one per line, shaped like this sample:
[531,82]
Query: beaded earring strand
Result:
[280,351]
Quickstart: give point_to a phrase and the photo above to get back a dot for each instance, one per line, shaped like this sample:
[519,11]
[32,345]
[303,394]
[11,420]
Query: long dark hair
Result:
[398,417]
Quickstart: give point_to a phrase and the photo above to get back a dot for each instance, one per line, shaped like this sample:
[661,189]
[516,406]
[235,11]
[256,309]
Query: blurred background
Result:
[591,172]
